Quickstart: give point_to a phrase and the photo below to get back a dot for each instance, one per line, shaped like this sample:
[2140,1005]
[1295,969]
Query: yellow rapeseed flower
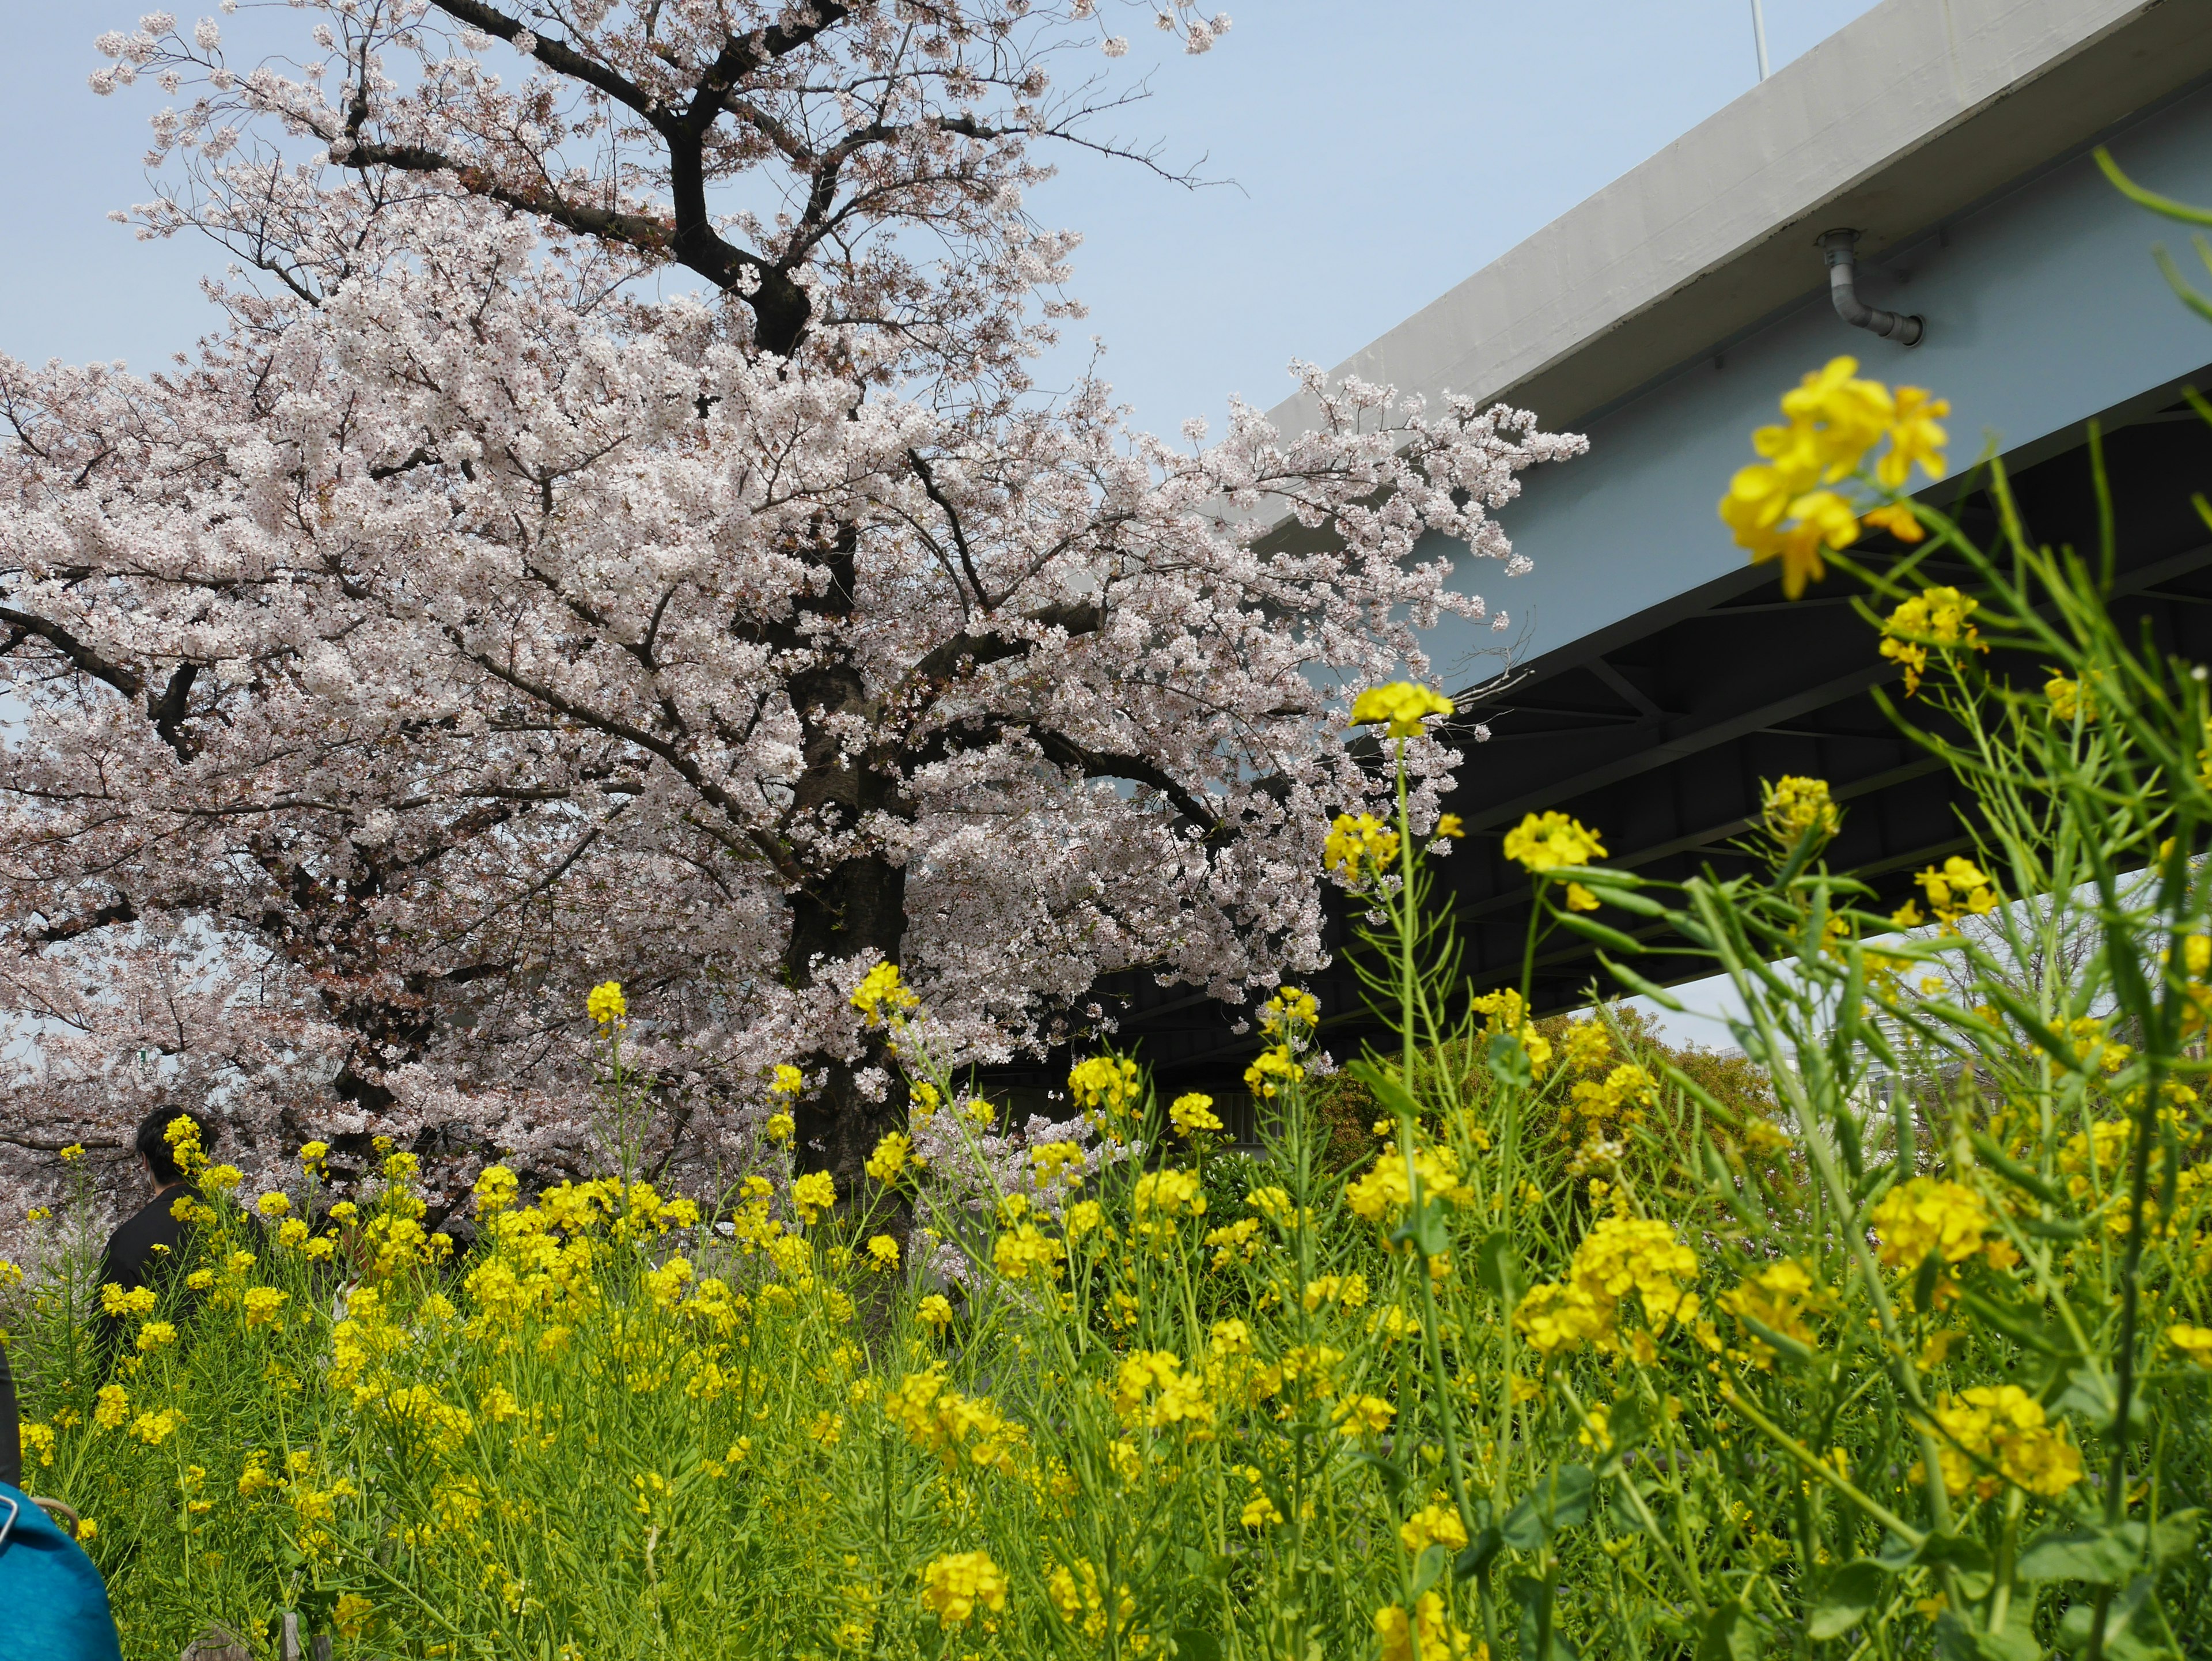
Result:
[1193,1114]
[1928,1214]
[883,996]
[1936,617]
[1794,806]
[2193,1341]
[1402,705]
[606,1004]
[812,1195]
[1275,1071]
[1544,842]
[1782,507]
[1360,846]
[2002,1426]
[890,1160]
[1428,1625]
[953,1585]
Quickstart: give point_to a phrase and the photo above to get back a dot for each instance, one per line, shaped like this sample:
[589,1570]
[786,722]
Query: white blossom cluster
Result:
[462,627]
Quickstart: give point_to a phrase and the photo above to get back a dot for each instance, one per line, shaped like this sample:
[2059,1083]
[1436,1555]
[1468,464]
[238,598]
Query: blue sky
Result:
[1371,156]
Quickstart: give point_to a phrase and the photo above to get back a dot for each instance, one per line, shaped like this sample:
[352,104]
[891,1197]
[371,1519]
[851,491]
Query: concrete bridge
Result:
[1664,317]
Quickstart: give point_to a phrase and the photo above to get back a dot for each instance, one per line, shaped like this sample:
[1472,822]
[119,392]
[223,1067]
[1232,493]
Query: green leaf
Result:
[1509,1062]
[1560,1501]
[2172,1536]
[1628,1423]
[1434,1562]
[1534,1598]
[1954,1638]
[1192,1645]
[2012,1171]
[2100,1554]
[1393,1474]
[2017,1642]
[2129,1625]
[1896,1554]
[1481,1552]
[1497,1266]
[1384,1086]
[1958,1551]
[2023,1323]
[1851,1591]
[2089,1394]
[1428,1229]
[1847,1137]
[1729,1634]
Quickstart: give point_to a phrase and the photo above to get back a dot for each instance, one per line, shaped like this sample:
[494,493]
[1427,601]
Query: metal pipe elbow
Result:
[1840,250]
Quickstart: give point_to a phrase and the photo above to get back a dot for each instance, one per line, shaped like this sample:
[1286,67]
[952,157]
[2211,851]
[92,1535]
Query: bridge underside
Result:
[1658,731]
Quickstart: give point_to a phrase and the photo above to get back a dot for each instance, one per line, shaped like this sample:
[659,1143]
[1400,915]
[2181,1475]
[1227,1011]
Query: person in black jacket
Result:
[11,1432]
[145,1246]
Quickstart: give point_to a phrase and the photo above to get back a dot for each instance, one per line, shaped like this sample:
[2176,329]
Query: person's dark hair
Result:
[152,1141]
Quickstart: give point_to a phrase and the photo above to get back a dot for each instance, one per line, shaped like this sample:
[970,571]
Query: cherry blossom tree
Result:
[615,531]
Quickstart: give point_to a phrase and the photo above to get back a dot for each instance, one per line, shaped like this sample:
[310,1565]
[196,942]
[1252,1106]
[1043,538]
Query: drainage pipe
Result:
[1840,249]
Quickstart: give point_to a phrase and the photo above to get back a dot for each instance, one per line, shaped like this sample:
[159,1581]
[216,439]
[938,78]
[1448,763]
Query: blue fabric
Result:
[53,1604]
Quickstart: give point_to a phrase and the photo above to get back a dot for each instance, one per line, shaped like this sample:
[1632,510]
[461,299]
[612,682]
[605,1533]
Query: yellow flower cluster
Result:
[1291,1011]
[1783,507]
[812,1195]
[1625,1094]
[182,1135]
[1783,1298]
[606,1004]
[1275,1071]
[1025,1249]
[882,996]
[1360,846]
[1153,1391]
[2068,699]
[1168,1193]
[891,1157]
[959,1429]
[1401,706]
[1435,1524]
[1545,841]
[1794,808]
[1429,1627]
[1927,1214]
[1106,1086]
[1381,1195]
[1934,617]
[1959,888]
[1620,1257]
[952,1585]
[1193,1115]
[1996,1434]
[1081,1603]
[1504,1011]
[118,1302]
